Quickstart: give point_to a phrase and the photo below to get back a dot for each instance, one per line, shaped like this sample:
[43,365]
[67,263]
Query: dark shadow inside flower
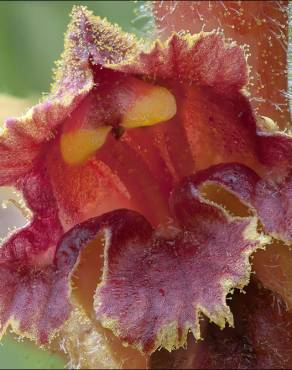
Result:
[87,273]
[219,195]
[273,269]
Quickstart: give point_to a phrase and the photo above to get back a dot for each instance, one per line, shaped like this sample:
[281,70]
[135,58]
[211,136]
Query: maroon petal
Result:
[31,290]
[154,288]
[270,198]
[203,59]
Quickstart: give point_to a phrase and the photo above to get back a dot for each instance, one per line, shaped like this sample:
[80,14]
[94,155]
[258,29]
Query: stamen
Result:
[77,146]
[157,106]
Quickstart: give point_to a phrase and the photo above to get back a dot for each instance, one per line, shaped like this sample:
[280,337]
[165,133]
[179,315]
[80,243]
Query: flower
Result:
[259,26]
[148,175]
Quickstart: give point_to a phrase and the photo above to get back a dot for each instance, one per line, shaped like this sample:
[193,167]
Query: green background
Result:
[31,40]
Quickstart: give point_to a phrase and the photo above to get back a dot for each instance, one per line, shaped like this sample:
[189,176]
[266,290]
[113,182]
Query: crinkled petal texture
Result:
[269,199]
[104,156]
[153,288]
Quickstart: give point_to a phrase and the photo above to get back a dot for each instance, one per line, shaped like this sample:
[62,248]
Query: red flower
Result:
[122,166]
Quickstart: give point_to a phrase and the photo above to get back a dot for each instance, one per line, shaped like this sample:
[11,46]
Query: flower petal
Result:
[204,59]
[271,199]
[261,26]
[138,263]
[31,291]
[154,289]
[261,338]
[132,244]
[214,117]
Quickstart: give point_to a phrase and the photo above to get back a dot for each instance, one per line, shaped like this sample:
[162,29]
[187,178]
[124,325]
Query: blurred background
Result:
[31,40]
[32,32]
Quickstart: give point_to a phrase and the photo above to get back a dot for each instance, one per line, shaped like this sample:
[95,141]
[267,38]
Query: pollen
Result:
[77,146]
[158,105]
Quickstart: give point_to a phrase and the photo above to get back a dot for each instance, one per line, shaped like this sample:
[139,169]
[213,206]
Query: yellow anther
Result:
[77,146]
[158,105]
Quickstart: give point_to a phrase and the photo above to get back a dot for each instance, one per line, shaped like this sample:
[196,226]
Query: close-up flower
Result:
[156,183]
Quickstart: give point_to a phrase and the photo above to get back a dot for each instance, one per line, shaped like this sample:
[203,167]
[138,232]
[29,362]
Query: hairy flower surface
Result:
[151,181]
